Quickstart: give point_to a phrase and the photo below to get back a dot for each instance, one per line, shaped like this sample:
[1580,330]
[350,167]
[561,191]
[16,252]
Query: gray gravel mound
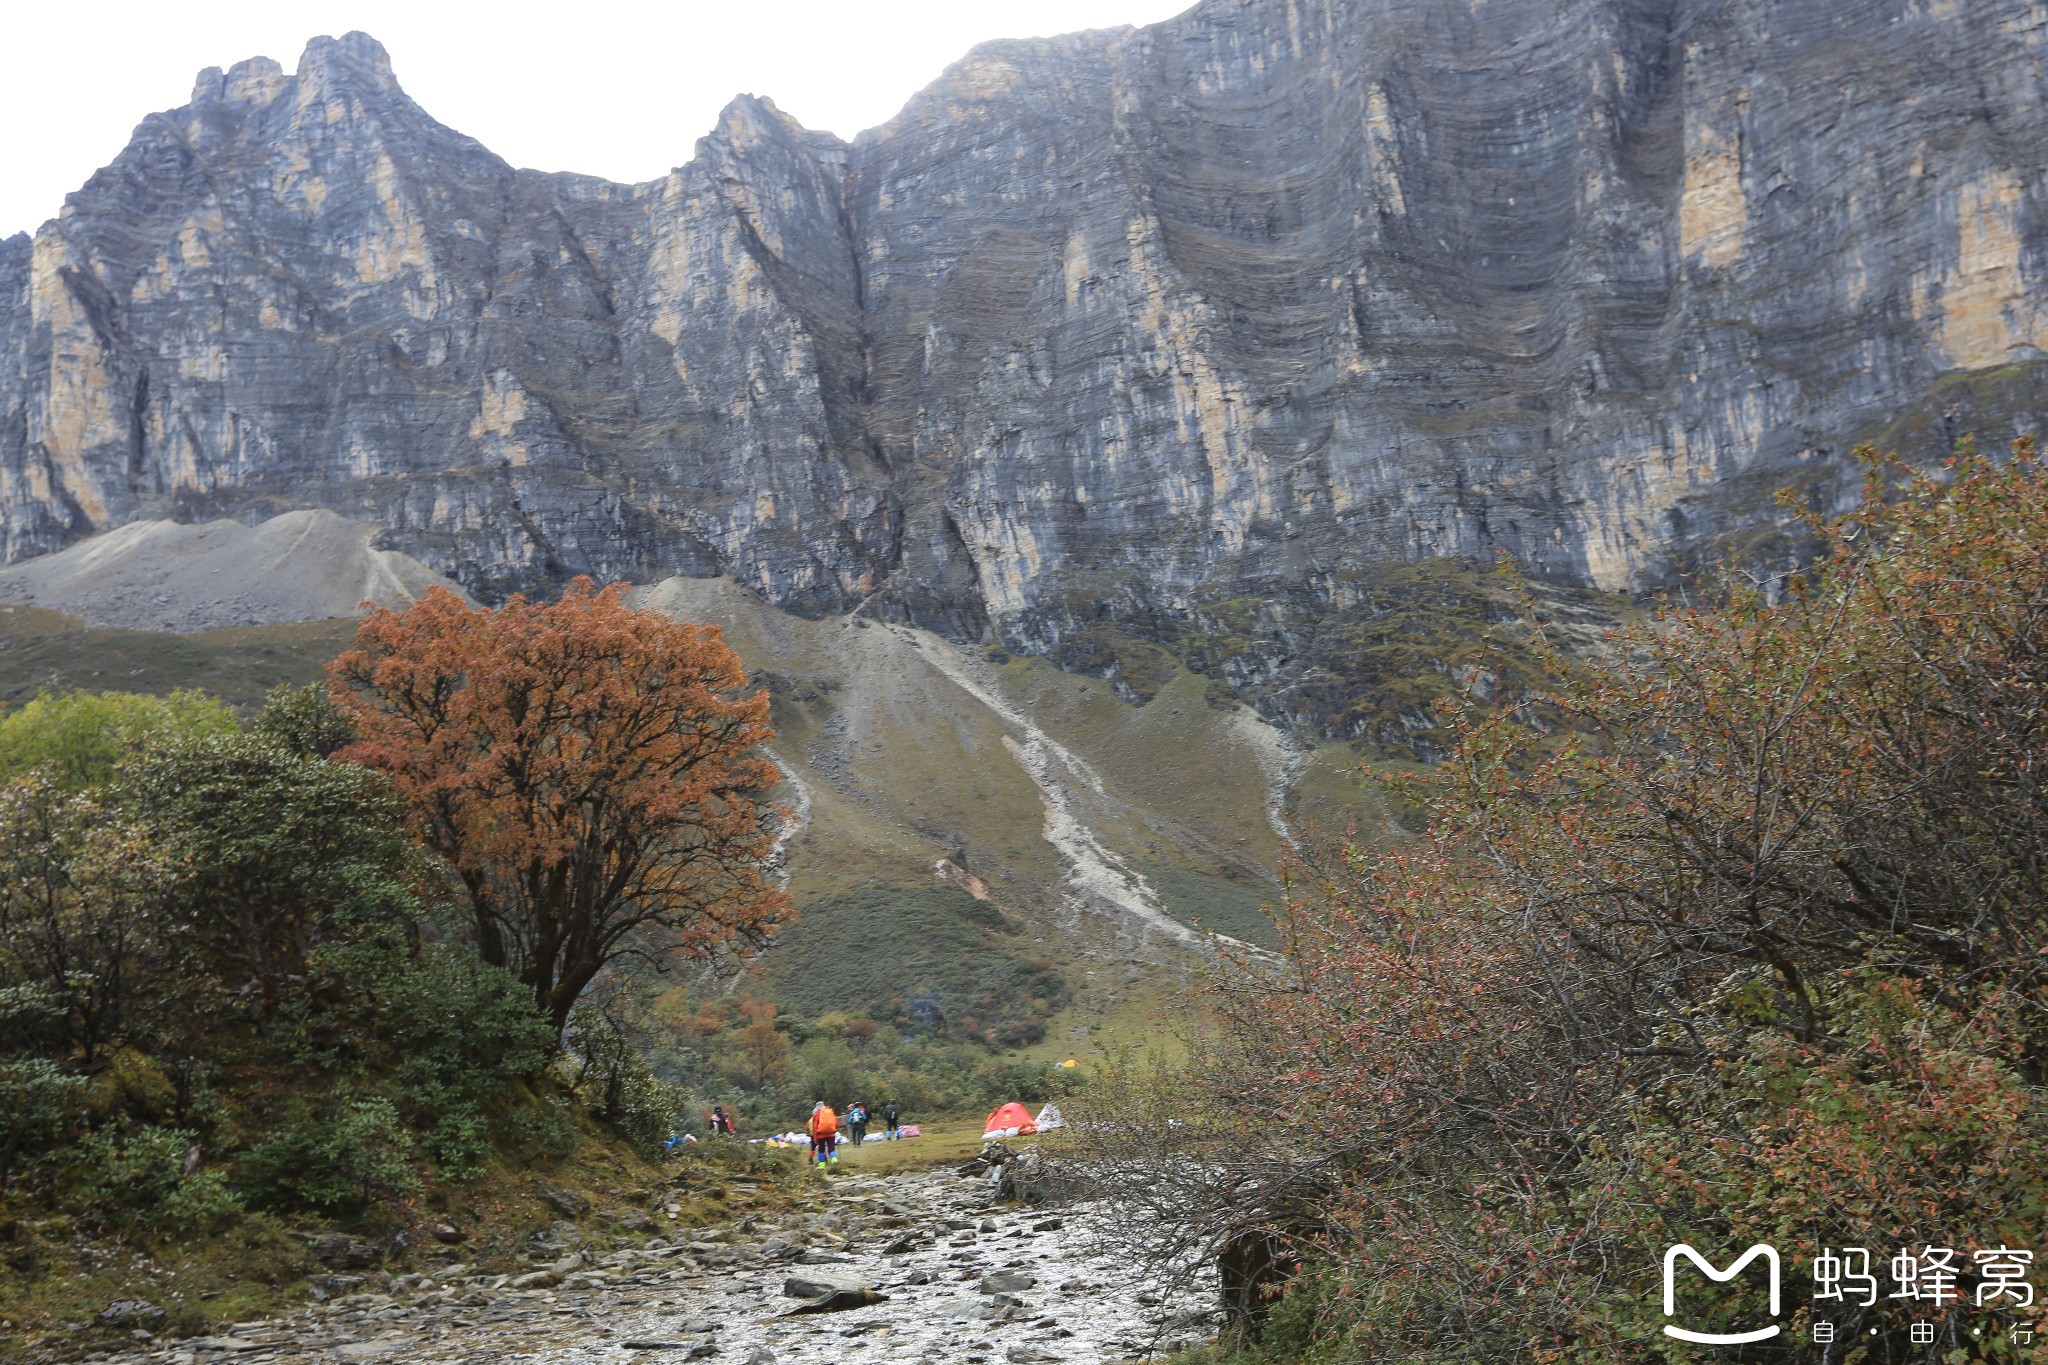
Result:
[164,575]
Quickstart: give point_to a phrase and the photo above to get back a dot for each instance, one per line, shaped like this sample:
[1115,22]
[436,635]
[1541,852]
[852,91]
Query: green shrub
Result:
[612,1077]
[150,1178]
[276,853]
[458,1142]
[542,1132]
[447,1034]
[38,1102]
[80,738]
[304,720]
[827,1070]
[359,1155]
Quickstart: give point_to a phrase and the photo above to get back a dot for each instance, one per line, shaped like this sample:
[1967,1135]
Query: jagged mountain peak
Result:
[354,60]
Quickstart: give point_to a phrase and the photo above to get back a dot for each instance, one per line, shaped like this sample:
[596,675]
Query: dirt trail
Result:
[958,1278]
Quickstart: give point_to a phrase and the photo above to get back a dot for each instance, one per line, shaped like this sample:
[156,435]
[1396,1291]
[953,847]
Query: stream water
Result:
[955,1277]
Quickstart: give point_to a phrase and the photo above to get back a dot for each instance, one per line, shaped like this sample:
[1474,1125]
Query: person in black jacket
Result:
[892,1120]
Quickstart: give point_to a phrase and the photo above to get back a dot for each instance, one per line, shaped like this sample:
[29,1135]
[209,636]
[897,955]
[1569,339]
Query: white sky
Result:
[617,90]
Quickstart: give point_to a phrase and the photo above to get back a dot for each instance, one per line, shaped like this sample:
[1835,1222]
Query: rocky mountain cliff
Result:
[1172,332]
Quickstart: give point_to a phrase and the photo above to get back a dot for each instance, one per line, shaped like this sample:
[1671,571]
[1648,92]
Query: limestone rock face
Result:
[1108,327]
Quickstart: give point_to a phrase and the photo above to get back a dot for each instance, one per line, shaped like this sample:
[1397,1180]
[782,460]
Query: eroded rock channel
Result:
[924,1266]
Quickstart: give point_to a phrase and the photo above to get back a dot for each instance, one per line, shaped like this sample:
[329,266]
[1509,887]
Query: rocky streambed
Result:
[925,1266]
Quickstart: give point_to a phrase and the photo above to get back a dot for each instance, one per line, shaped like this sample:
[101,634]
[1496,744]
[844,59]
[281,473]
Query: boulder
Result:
[333,1286]
[538,1279]
[560,1198]
[1026,1176]
[1008,1282]
[838,1301]
[808,1287]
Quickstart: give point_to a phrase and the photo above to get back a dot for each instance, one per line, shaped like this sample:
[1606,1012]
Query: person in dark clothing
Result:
[892,1120]
[721,1122]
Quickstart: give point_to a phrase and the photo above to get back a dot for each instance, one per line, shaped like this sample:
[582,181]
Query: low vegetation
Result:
[47,651]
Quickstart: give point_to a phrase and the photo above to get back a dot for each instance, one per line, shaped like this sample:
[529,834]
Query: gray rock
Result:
[692,1350]
[1106,333]
[560,1198]
[537,1279]
[129,1313]
[1008,1282]
[554,1238]
[809,1287]
[838,1301]
[333,1286]
[339,1251]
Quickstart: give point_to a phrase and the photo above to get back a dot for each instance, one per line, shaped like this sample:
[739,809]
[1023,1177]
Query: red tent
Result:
[1011,1115]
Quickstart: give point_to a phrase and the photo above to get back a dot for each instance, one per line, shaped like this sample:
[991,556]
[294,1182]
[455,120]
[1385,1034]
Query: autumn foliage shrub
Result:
[1738,934]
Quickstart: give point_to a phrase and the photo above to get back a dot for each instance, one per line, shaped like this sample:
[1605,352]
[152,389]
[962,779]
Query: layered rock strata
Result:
[1099,330]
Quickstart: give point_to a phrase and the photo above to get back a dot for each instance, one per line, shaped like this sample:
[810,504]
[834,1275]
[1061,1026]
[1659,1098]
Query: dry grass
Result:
[947,1142]
[43,649]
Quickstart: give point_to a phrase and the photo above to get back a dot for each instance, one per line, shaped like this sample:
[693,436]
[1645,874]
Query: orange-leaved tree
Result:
[593,774]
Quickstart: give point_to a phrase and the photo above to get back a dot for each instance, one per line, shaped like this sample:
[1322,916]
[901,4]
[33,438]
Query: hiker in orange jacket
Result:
[824,1130]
